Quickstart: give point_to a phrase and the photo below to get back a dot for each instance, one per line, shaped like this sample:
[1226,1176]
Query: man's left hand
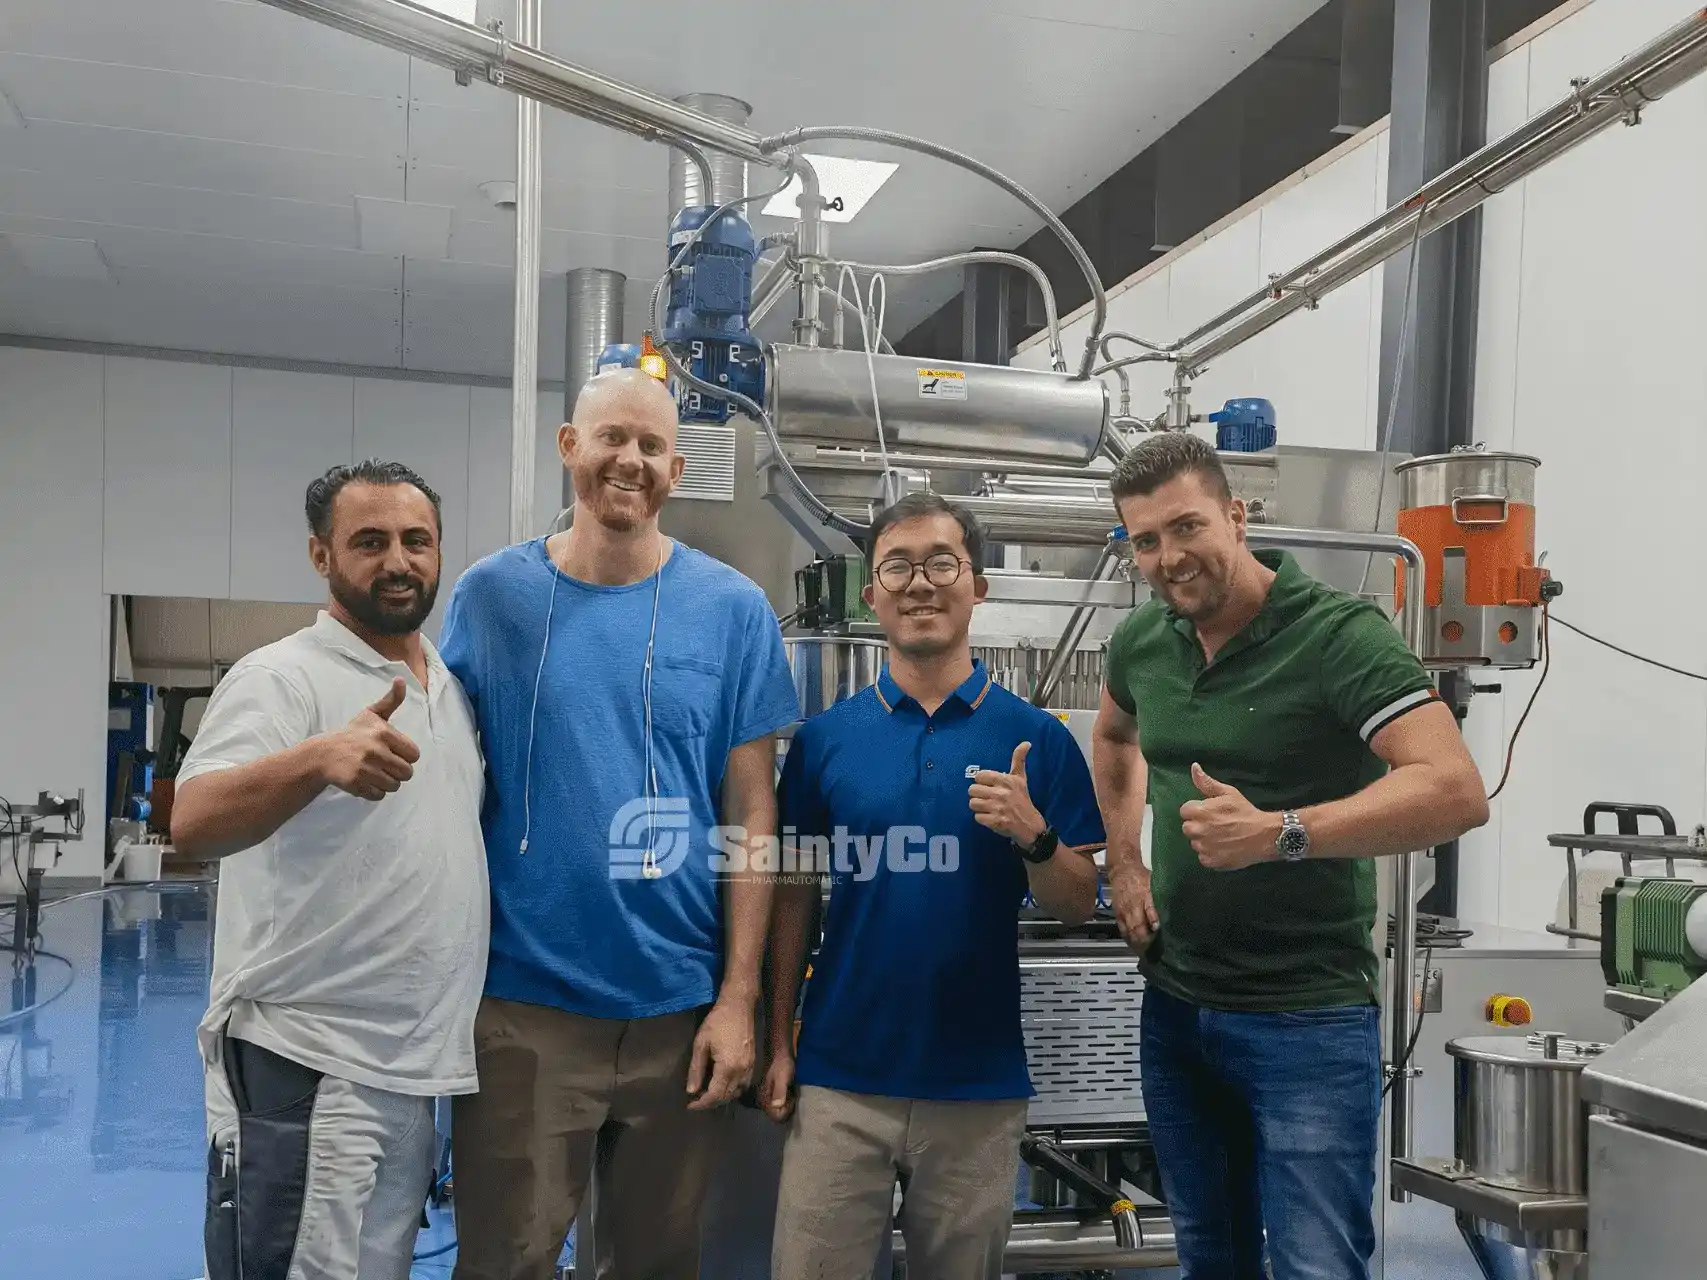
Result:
[725,1044]
[1228,832]
[1001,802]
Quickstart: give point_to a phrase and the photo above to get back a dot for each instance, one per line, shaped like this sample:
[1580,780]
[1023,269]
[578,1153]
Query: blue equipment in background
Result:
[1244,426]
[710,296]
[618,355]
[130,760]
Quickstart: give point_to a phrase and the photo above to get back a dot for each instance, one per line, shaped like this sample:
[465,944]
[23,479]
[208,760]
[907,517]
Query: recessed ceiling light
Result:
[847,184]
[402,227]
[10,116]
[60,258]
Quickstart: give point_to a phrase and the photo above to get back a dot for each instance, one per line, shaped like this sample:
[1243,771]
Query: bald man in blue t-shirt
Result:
[934,800]
[628,690]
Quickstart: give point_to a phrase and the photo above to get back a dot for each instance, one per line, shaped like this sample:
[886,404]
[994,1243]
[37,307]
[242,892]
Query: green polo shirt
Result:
[1285,714]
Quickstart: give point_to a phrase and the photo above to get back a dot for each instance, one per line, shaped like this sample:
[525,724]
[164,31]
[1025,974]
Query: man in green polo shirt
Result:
[1284,737]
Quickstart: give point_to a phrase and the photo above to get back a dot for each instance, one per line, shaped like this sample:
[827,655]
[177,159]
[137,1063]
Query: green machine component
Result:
[1645,935]
[828,593]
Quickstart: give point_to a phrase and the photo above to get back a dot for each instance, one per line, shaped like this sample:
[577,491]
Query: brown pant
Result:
[956,1161]
[564,1099]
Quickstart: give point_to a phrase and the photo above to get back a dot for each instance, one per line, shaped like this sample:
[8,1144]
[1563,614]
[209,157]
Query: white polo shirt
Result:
[354,940]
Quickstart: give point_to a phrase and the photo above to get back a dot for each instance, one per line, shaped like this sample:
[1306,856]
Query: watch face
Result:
[1293,842]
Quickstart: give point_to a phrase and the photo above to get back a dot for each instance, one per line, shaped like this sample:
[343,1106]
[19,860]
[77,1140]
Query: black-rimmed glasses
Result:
[896,573]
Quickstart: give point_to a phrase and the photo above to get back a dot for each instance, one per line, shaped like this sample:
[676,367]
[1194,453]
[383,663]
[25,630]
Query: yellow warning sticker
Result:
[1062,717]
[942,384]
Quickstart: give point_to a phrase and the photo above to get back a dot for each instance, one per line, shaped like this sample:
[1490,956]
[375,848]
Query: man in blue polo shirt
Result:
[934,800]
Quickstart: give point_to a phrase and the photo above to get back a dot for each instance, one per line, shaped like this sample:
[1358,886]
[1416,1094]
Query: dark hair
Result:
[915,505]
[324,491]
[1160,458]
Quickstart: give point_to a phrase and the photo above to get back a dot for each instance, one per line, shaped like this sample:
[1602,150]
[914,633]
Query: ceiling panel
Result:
[199,164]
[214,150]
[204,106]
[237,40]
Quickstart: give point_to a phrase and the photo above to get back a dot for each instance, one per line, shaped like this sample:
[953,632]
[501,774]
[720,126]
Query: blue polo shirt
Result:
[916,991]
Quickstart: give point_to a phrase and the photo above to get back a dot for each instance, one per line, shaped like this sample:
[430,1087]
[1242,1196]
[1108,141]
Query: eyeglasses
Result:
[896,574]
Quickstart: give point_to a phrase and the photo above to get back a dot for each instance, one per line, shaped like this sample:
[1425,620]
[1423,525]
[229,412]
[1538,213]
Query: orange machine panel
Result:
[1499,551]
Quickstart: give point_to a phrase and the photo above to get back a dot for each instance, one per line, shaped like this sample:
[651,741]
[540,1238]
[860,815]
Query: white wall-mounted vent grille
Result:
[710,453]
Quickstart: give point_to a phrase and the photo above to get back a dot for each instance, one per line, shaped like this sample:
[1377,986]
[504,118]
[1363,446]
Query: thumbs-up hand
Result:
[1002,802]
[367,757]
[1228,832]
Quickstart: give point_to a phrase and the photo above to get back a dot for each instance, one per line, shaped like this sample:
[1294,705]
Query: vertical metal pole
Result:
[525,384]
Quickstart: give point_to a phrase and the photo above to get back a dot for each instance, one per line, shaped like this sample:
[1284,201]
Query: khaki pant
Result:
[564,1099]
[956,1161]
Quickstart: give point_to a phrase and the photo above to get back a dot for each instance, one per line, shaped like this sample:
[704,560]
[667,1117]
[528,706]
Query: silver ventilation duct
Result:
[728,173]
[595,321]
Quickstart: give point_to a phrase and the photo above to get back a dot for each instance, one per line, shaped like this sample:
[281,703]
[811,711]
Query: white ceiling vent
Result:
[710,453]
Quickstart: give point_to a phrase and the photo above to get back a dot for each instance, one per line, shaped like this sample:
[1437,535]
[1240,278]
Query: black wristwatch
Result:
[1043,850]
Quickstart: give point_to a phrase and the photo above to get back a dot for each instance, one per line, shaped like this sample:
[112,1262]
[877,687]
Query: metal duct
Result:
[595,321]
[728,173]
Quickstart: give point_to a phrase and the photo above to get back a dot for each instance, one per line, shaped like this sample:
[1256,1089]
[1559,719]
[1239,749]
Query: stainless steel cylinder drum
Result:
[829,669]
[1520,1121]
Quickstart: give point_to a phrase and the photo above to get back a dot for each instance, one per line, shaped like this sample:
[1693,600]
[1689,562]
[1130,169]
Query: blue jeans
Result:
[1265,1122]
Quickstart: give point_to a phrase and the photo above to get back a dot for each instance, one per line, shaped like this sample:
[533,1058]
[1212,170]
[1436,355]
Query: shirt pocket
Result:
[687,695]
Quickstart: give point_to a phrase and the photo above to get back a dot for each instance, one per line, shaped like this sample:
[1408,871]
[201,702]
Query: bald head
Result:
[620,448]
[631,393]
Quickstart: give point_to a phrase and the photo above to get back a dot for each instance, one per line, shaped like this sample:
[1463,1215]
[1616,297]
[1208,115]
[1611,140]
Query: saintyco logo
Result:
[902,850]
[659,825]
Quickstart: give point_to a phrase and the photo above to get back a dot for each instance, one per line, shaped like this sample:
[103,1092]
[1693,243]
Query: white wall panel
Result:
[425,426]
[287,428]
[53,644]
[1314,365]
[489,469]
[1206,281]
[168,479]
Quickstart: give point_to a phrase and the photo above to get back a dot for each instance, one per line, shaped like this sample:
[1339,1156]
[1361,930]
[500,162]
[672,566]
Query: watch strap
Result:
[1043,849]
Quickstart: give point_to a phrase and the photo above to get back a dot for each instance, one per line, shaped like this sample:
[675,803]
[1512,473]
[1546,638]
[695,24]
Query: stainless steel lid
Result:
[1543,1051]
[1466,455]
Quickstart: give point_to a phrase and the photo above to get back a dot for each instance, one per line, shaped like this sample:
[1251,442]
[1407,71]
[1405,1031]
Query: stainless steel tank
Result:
[828,669]
[822,395]
[1520,1124]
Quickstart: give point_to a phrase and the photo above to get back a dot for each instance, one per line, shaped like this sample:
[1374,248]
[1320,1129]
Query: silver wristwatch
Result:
[1293,842]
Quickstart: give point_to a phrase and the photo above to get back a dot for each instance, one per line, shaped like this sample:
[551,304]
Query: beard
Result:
[616,511]
[1203,597]
[383,616]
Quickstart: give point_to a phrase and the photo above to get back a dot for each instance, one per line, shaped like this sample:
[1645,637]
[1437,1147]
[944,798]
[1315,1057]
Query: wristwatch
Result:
[1293,842]
[1043,850]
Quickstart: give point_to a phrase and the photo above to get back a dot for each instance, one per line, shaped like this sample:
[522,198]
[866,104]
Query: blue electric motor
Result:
[1244,426]
[617,355]
[709,300]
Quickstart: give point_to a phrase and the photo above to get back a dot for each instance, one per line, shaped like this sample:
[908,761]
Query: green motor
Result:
[1653,935]
[828,593]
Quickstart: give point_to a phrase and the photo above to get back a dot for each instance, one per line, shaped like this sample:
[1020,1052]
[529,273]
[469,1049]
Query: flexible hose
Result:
[1036,272]
[1099,298]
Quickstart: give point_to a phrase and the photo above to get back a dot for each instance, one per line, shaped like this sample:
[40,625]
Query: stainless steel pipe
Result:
[1078,622]
[522,68]
[1403,975]
[1596,104]
[524,379]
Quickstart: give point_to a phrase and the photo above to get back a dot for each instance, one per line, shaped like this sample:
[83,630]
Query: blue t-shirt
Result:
[575,925]
[916,990]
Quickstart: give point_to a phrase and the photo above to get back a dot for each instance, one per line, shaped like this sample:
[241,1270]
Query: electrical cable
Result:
[1546,665]
[1416,1031]
[868,324]
[1652,662]
[1099,298]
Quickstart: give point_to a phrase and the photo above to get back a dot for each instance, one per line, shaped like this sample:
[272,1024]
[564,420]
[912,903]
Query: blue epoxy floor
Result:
[102,1154]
